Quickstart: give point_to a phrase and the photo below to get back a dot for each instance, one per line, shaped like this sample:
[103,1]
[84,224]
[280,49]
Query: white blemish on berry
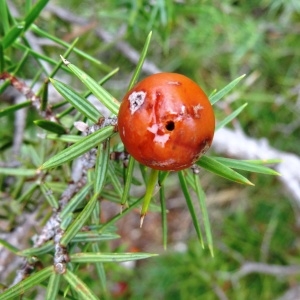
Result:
[161,139]
[196,110]
[158,138]
[153,128]
[136,100]
[174,82]
[183,109]
[164,163]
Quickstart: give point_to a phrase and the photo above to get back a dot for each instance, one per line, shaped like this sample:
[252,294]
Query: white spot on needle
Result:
[66,62]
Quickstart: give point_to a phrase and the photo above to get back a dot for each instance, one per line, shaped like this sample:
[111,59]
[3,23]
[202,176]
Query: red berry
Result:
[166,122]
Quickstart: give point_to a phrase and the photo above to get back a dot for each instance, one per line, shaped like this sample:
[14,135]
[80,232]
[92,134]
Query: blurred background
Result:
[255,229]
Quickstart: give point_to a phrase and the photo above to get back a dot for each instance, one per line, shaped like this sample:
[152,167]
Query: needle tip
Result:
[142,220]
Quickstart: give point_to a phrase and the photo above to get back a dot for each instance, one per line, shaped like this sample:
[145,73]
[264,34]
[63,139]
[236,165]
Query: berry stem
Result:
[149,193]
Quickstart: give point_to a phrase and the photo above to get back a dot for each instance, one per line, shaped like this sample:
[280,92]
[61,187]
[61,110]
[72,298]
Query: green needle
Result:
[149,193]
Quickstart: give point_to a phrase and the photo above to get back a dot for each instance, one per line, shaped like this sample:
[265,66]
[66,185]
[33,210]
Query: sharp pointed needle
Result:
[142,220]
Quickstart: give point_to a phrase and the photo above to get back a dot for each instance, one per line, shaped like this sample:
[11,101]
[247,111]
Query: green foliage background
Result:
[212,42]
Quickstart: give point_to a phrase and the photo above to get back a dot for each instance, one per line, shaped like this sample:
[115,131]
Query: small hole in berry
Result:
[170,125]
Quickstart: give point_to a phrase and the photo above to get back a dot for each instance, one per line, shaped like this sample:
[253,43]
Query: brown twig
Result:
[22,87]
[52,229]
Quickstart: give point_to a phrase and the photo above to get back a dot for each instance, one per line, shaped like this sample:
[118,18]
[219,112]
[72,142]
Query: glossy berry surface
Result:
[166,122]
